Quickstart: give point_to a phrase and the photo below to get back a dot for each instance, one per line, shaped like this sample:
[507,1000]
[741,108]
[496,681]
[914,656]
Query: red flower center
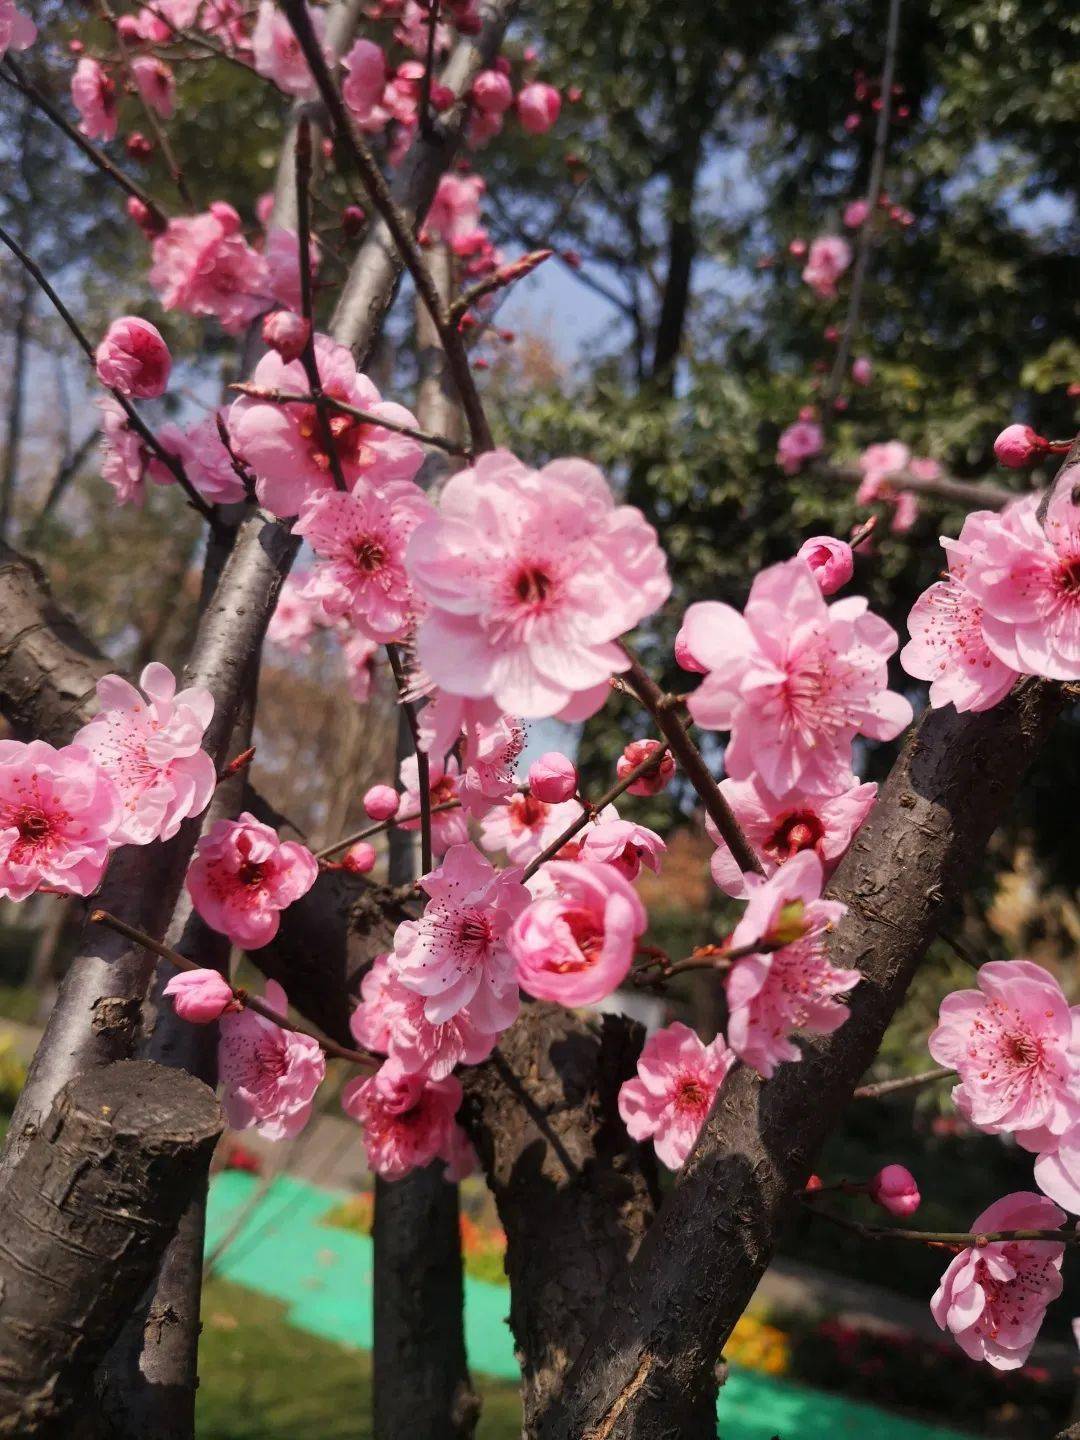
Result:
[691,1094]
[250,874]
[588,936]
[33,825]
[533,585]
[801,830]
[368,554]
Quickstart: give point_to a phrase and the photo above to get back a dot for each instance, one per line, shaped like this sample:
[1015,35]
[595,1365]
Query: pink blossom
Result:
[282,255]
[58,812]
[407,1121]
[359,654]
[677,1080]
[905,512]
[492,91]
[200,996]
[133,358]
[285,446]
[491,755]
[538,107]
[831,561]
[794,680]
[575,943]
[624,844]
[448,827]
[393,1021]
[359,538]
[993,1297]
[862,370]
[883,463]
[359,858]
[652,782]
[526,826]
[1057,1165]
[156,83]
[895,1190]
[1009,1041]
[368,1022]
[202,265]
[947,645]
[380,802]
[151,749]
[553,778]
[797,444]
[93,94]
[243,876]
[855,213]
[365,79]
[456,954]
[286,332]
[780,827]
[295,617]
[829,257]
[124,461]
[1026,582]
[1019,446]
[277,51]
[180,13]
[207,463]
[531,576]
[17,31]
[269,1075]
[454,215]
[792,988]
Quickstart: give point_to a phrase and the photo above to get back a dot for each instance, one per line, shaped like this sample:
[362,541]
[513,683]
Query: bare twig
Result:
[250,1002]
[378,190]
[423,766]
[976,494]
[426,117]
[288,397]
[694,767]
[951,1239]
[138,424]
[307,358]
[877,172]
[901,1082]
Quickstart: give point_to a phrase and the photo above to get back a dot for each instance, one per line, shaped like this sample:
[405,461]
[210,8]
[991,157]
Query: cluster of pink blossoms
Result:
[130,776]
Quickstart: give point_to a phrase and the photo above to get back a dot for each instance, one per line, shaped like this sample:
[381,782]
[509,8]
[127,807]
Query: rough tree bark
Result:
[87,1213]
[668,1315]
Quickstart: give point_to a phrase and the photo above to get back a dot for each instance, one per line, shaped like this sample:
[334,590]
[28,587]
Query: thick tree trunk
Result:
[422,1384]
[575,1193]
[668,1315]
[87,1213]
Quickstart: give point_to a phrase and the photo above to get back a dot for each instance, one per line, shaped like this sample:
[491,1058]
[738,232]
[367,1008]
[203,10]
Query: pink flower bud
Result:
[797,247]
[553,778]
[150,224]
[855,213]
[380,802]
[492,92]
[632,757]
[442,96]
[286,332]
[352,220]
[200,996]
[359,858]
[133,358]
[862,371]
[685,658]
[1019,445]
[895,1190]
[814,1183]
[830,560]
[852,122]
[538,107]
[138,146]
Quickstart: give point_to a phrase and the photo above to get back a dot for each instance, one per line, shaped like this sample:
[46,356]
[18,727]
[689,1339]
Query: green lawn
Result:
[262,1379]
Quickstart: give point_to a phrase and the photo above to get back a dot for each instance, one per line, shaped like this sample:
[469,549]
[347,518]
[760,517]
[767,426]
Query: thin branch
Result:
[379,192]
[138,424]
[954,1239]
[901,1082]
[647,767]
[379,826]
[148,110]
[694,767]
[498,280]
[877,172]
[308,358]
[251,1002]
[427,122]
[423,767]
[976,494]
[288,397]
[98,157]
